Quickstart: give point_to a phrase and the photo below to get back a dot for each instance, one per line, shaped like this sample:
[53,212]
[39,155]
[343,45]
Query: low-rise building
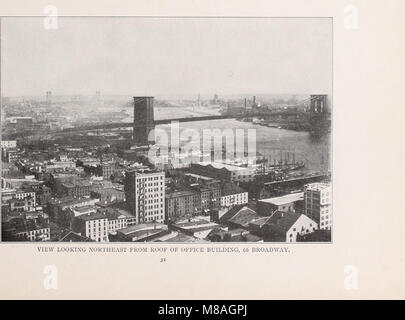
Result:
[117,219]
[142,232]
[11,155]
[182,203]
[106,170]
[19,194]
[192,178]
[223,172]
[239,216]
[22,229]
[21,205]
[232,194]
[62,164]
[108,195]
[76,188]
[93,226]
[177,236]
[70,236]
[234,235]
[210,197]
[198,227]
[56,208]
[8,144]
[286,226]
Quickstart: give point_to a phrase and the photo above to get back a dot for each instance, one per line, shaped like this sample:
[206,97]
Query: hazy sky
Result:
[155,56]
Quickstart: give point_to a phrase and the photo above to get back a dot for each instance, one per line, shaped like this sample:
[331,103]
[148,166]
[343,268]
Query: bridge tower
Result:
[318,111]
[318,103]
[48,98]
[144,121]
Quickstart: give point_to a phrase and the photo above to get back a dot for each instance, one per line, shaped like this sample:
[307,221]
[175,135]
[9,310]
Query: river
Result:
[313,150]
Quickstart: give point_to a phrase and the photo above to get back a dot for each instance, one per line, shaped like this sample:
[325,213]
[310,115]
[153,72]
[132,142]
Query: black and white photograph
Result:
[166,129]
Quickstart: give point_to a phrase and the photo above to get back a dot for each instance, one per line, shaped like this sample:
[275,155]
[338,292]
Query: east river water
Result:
[315,151]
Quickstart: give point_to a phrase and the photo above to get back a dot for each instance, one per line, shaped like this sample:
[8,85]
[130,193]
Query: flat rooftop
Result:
[181,193]
[317,186]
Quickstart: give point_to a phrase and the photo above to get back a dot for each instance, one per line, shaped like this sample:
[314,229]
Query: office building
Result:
[145,195]
[318,203]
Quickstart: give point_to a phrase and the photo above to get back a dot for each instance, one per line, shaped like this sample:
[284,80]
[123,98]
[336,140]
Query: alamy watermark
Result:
[183,147]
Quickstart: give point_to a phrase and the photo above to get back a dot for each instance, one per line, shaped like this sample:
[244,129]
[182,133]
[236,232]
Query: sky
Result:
[163,56]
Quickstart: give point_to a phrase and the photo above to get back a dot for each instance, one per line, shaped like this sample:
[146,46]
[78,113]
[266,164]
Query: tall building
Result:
[145,195]
[143,120]
[318,204]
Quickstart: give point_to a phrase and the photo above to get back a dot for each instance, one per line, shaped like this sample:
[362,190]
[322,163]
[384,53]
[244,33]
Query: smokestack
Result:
[254,101]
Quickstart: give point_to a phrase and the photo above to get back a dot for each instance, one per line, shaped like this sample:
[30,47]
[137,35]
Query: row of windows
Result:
[150,184]
[150,178]
[150,219]
[149,211]
[152,196]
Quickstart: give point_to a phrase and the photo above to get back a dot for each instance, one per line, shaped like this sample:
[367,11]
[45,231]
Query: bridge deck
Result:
[116,125]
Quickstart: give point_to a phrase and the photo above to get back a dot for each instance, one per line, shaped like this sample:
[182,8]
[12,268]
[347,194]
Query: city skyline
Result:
[100,54]
[117,163]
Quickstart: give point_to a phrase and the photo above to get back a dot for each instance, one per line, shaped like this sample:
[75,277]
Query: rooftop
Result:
[176,236]
[278,201]
[114,214]
[283,220]
[76,183]
[193,223]
[318,186]
[92,216]
[108,191]
[240,214]
[25,225]
[142,227]
[231,188]
[70,236]
[85,208]
[244,216]
[220,165]
[197,176]
[181,193]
